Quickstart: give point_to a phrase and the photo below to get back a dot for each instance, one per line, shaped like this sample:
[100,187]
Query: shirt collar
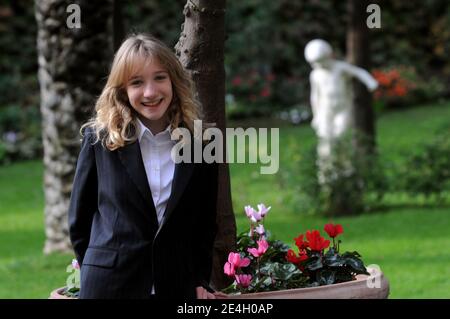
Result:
[163,136]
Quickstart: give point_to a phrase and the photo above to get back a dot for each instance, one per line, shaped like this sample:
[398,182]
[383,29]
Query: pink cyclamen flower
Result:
[249,211]
[252,214]
[262,248]
[234,262]
[260,230]
[75,264]
[243,280]
[263,210]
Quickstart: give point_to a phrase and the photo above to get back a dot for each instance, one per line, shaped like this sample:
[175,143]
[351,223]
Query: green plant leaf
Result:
[314,263]
[333,259]
[356,264]
[326,277]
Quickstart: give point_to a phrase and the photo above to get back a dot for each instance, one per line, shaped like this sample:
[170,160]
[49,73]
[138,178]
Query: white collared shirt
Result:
[159,166]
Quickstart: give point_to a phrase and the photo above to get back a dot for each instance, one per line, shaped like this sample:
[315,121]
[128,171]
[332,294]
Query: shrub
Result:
[427,169]
[20,133]
[358,190]
[254,89]
[403,86]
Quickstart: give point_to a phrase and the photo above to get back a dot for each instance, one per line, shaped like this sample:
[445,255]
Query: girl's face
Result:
[150,94]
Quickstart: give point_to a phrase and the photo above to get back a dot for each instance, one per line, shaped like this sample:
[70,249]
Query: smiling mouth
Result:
[152,104]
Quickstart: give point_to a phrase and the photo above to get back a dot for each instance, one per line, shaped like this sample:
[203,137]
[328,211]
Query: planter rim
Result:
[57,294]
[354,289]
[347,290]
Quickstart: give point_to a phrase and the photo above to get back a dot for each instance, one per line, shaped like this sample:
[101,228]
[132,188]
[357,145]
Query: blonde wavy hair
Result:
[114,122]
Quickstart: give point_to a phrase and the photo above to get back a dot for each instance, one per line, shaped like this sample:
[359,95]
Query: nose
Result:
[149,90]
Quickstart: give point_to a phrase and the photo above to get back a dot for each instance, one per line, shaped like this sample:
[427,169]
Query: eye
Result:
[136,82]
[160,77]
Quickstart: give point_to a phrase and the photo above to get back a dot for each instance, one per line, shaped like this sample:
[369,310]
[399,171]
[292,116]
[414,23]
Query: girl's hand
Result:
[202,293]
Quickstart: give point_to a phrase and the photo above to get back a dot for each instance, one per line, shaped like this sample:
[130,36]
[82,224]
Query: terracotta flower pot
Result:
[58,294]
[375,286]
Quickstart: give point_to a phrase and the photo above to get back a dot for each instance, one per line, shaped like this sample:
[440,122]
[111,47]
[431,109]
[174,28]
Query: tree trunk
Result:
[73,62]
[358,53]
[201,51]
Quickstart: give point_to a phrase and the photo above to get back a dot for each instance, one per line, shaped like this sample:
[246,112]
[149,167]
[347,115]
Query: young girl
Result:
[142,226]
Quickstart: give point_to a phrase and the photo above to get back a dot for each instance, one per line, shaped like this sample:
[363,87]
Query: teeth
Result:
[152,103]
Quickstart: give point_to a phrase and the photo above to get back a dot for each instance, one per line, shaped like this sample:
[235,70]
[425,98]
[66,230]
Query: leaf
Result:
[351,254]
[356,264]
[326,277]
[230,289]
[314,263]
[286,271]
[343,275]
[267,281]
[280,271]
[333,259]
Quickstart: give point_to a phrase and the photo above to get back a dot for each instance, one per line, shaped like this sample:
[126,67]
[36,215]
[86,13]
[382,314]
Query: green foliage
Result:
[163,19]
[401,239]
[20,133]
[262,264]
[72,288]
[266,41]
[348,189]
[427,168]
[401,86]
[266,38]
[325,267]
[269,272]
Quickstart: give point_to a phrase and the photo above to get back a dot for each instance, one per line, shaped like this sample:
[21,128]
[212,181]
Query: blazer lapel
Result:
[182,175]
[130,156]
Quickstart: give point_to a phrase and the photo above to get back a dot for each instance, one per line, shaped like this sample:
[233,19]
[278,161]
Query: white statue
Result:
[332,95]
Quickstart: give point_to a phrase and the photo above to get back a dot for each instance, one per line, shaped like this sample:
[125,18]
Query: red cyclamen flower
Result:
[333,230]
[315,241]
[300,243]
[292,257]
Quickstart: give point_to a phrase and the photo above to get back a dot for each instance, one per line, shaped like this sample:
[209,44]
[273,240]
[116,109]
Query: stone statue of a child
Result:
[332,94]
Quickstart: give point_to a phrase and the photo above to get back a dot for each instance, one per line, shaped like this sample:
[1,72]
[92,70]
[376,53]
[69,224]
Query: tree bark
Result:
[358,53]
[73,62]
[200,49]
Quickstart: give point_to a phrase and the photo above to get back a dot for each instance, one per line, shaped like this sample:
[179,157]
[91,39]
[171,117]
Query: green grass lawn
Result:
[410,243]
[24,271]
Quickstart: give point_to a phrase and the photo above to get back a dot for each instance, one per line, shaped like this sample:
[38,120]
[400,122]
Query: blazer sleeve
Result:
[83,201]
[206,229]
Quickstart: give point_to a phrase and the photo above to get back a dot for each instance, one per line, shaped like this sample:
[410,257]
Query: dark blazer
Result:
[115,233]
